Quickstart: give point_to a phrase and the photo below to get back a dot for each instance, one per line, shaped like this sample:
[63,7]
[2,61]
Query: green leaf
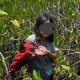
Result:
[65,67]
[15,22]
[2,27]
[59,58]
[24,71]
[57,69]
[3,13]
[70,75]
[36,75]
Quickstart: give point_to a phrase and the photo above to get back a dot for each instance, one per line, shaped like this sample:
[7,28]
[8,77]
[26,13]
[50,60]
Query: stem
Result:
[4,63]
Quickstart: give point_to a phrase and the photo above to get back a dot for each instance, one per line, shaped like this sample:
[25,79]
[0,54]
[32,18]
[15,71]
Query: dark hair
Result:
[40,20]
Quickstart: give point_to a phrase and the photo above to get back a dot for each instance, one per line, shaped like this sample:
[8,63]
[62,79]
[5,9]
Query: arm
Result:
[24,53]
[53,55]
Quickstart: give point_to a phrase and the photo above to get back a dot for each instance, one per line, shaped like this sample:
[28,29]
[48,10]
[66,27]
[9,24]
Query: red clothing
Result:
[26,50]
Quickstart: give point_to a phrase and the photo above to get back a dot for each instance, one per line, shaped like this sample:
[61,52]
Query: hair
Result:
[40,20]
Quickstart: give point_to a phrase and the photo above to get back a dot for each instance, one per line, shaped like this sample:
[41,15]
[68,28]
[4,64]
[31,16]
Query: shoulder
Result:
[32,38]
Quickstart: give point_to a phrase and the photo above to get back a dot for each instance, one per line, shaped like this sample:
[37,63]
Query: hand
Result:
[43,49]
[39,52]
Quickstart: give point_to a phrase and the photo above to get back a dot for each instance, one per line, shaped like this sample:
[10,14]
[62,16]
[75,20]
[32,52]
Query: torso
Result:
[44,63]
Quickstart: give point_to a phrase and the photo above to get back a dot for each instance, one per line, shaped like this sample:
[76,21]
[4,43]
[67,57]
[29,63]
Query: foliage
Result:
[36,75]
[63,69]
[17,18]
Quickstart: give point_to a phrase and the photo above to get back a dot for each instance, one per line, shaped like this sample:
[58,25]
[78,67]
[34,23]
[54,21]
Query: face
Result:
[43,36]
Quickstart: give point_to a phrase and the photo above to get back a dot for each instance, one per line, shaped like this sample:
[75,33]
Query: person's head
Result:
[43,18]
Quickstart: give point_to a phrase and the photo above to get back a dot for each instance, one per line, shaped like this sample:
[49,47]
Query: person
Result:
[42,57]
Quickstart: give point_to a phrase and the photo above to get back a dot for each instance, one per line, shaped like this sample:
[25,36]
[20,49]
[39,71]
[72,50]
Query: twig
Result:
[4,63]
[69,50]
[76,63]
[66,50]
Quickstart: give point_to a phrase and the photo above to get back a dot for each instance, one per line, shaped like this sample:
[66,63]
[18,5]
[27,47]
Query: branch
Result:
[73,51]
[4,63]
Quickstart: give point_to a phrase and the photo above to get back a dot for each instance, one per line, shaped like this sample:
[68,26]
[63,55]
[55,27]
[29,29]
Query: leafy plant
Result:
[18,17]
[36,75]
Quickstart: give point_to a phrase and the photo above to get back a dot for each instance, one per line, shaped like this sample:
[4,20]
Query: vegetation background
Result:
[17,20]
